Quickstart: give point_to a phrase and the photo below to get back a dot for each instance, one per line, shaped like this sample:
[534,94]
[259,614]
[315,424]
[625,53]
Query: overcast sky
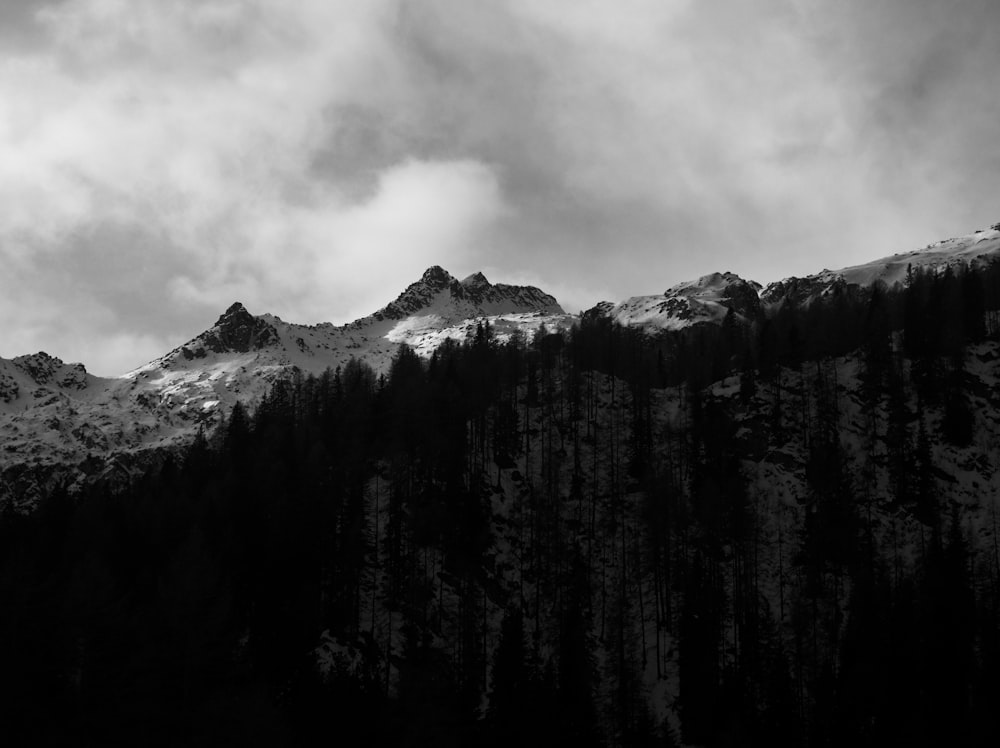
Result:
[160,159]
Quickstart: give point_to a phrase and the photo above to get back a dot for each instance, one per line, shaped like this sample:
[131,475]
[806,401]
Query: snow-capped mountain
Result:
[52,412]
[837,502]
[709,299]
[57,413]
[25,373]
[440,293]
[973,249]
[706,300]
[242,355]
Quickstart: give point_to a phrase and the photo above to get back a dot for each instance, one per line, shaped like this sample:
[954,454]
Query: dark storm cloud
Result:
[310,159]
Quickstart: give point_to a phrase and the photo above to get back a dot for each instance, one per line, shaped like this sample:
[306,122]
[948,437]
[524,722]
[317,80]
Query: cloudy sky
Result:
[160,159]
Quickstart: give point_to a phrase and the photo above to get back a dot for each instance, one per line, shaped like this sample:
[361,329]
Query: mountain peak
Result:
[236,331]
[473,296]
[45,369]
[235,315]
[437,277]
[235,308]
[476,280]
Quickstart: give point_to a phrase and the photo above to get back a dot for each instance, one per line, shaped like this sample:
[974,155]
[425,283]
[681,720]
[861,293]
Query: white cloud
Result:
[303,262]
[197,122]
[420,210]
[162,158]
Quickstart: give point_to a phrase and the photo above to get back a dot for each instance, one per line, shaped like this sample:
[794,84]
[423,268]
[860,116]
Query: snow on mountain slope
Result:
[242,355]
[51,412]
[38,375]
[40,390]
[437,292]
[973,249]
[57,413]
[708,299]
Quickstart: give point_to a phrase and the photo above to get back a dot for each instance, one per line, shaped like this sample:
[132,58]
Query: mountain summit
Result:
[706,300]
[56,413]
[236,331]
[52,413]
[438,291]
[975,250]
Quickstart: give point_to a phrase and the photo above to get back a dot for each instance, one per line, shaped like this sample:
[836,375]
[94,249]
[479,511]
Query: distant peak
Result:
[46,369]
[476,280]
[476,295]
[712,280]
[436,275]
[235,314]
[235,331]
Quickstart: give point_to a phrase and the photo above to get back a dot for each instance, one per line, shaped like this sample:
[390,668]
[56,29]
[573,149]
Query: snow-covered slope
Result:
[51,412]
[39,397]
[57,413]
[242,355]
[973,249]
[708,299]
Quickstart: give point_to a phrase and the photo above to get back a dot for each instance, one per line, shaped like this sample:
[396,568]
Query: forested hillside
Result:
[777,533]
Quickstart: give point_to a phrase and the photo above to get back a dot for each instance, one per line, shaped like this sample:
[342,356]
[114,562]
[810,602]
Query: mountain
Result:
[242,355]
[53,413]
[975,250]
[706,300]
[570,540]
[438,293]
[709,299]
[430,310]
[582,541]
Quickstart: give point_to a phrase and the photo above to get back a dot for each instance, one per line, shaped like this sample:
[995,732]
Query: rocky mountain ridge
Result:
[706,300]
[52,413]
[975,250]
[56,413]
[473,296]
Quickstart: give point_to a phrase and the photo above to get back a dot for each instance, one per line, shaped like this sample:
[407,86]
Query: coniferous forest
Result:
[773,533]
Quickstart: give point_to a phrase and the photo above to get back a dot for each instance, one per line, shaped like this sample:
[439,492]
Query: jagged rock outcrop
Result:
[742,296]
[49,370]
[417,295]
[801,291]
[236,331]
[56,413]
[471,296]
[705,300]
[975,250]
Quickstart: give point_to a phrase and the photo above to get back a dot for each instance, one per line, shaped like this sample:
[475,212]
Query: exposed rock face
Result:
[476,283]
[742,296]
[55,414]
[706,300]
[600,310]
[974,250]
[9,389]
[236,331]
[477,289]
[527,297]
[801,291]
[475,294]
[418,295]
[49,370]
